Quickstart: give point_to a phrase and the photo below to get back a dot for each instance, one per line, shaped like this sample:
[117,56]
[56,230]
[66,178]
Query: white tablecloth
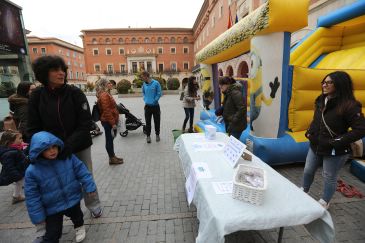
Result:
[219,214]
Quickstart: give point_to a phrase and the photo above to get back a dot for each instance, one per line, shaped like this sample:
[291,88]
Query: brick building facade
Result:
[72,54]
[127,51]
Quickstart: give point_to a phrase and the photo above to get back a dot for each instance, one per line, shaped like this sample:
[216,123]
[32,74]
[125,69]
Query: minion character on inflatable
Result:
[256,95]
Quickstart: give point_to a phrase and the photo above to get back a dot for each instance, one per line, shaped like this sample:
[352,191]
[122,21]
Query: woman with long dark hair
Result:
[336,110]
[19,105]
[190,96]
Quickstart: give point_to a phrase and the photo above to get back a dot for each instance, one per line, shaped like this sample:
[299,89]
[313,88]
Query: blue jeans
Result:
[189,114]
[109,145]
[331,168]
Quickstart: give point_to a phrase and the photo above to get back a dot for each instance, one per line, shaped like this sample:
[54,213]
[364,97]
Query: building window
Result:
[35,50]
[172,40]
[77,75]
[213,21]
[149,66]
[74,55]
[134,40]
[220,11]
[71,75]
[160,50]
[107,40]
[173,50]
[122,68]
[69,63]
[173,66]
[121,51]
[94,41]
[229,2]
[95,51]
[81,65]
[186,50]
[134,67]
[68,53]
[160,67]
[186,66]
[97,68]
[60,51]
[110,68]
[108,51]
[186,40]
[75,64]
[121,40]
[43,51]
[159,40]
[146,40]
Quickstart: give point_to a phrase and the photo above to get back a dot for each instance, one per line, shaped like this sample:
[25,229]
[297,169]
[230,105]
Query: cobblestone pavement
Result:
[144,199]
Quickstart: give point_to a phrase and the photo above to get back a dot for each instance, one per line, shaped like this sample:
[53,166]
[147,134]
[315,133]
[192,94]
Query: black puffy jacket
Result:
[321,140]
[64,112]
[13,165]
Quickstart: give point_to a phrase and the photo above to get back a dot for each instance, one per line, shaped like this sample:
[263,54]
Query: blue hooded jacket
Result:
[151,92]
[52,186]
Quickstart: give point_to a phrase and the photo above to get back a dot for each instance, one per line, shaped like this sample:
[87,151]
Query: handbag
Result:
[9,123]
[95,114]
[356,147]
[182,94]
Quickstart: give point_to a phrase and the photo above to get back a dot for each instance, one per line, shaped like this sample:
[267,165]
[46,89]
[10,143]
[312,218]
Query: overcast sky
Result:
[64,19]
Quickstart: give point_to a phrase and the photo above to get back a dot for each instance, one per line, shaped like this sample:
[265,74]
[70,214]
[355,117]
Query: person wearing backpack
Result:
[190,96]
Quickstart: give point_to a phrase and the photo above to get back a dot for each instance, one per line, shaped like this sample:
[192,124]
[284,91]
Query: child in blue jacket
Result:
[53,187]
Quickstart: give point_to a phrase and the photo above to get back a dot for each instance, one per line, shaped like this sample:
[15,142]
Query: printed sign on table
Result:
[223,187]
[233,150]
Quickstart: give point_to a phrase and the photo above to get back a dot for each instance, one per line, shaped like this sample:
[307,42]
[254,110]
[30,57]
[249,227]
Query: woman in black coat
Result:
[62,110]
[329,134]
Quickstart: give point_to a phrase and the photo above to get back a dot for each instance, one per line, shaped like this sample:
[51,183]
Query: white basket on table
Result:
[243,190]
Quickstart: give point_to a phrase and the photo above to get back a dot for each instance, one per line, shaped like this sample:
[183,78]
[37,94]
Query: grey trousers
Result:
[92,203]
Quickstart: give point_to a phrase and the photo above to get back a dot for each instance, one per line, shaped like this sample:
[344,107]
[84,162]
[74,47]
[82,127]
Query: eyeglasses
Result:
[326,82]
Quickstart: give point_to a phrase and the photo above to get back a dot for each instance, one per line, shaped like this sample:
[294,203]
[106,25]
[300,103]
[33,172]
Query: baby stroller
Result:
[95,130]
[131,122]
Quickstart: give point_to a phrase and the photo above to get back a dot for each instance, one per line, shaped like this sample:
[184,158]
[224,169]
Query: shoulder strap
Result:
[332,133]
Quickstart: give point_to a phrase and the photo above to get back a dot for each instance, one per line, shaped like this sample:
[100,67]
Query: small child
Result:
[13,163]
[53,187]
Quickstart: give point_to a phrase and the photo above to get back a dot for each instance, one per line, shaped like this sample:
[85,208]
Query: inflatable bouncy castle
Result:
[284,81]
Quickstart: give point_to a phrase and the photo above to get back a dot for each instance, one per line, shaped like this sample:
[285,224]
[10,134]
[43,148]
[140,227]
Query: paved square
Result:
[144,199]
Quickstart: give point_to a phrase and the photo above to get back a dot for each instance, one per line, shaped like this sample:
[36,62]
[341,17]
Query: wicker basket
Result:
[245,192]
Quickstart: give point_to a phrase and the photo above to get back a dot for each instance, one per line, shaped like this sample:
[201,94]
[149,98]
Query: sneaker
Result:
[17,199]
[148,139]
[115,160]
[190,130]
[80,233]
[158,138]
[97,213]
[323,203]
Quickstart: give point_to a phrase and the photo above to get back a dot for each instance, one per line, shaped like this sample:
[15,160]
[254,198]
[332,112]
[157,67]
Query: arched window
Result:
[94,41]
[172,40]
[160,40]
[134,40]
[186,39]
[146,40]
[120,40]
[107,40]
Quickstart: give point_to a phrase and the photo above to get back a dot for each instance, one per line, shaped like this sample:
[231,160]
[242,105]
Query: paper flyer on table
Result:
[201,170]
[190,186]
[223,187]
[233,150]
[207,146]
